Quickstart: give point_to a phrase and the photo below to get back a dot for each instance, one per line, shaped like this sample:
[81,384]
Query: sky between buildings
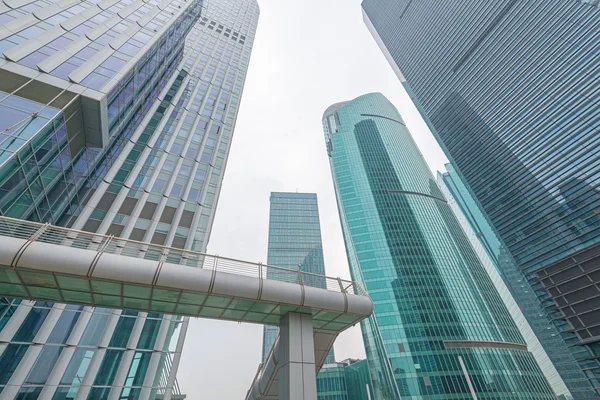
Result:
[307,55]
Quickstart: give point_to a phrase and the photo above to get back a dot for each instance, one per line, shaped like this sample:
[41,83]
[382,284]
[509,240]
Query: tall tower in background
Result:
[294,243]
[439,329]
[116,117]
[510,89]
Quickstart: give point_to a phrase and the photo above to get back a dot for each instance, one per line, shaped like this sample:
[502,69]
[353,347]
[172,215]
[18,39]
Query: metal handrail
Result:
[109,244]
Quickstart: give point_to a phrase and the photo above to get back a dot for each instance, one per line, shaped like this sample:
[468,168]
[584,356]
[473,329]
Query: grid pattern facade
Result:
[156,180]
[346,380]
[435,305]
[294,243]
[511,284]
[512,97]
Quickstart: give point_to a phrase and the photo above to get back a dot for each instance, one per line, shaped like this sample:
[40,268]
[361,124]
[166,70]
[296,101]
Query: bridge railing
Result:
[38,232]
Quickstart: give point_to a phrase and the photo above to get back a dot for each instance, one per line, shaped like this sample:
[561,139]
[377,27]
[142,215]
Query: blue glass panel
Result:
[149,333]
[94,330]
[63,327]
[122,332]
[29,393]
[43,366]
[10,359]
[138,368]
[31,325]
[80,361]
[109,367]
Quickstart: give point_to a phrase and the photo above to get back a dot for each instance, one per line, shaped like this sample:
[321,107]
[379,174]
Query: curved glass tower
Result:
[440,329]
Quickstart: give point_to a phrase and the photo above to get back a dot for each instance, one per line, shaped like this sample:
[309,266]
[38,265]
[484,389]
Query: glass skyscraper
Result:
[294,243]
[520,300]
[344,380]
[510,89]
[116,117]
[440,329]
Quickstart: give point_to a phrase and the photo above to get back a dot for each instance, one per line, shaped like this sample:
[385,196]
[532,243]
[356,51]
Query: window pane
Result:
[98,394]
[122,332]
[63,393]
[137,371]
[94,330]
[149,333]
[10,360]
[63,327]
[108,368]
[43,365]
[29,393]
[31,325]
[77,367]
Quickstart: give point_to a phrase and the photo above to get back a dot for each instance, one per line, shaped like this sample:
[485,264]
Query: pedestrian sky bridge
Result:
[45,262]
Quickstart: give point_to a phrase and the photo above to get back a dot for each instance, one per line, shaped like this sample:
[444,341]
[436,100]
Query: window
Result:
[43,365]
[63,327]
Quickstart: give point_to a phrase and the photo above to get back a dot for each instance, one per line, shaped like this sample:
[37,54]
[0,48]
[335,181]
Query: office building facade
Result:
[116,117]
[512,97]
[440,329]
[294,243]
[520,298]
[344,380]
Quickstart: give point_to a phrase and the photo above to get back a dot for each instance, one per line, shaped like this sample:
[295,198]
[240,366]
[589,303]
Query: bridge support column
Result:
[297,376]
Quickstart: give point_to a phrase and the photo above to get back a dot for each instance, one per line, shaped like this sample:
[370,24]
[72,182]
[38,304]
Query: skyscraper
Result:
[344,380]
[440,329]
[116,117]
[510,91]
[520,301]
[294,243]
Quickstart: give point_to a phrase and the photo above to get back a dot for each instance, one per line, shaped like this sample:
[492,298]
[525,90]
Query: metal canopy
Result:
[44,262]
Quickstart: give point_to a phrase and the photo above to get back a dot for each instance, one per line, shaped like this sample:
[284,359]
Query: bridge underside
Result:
[42,271]
[42,262]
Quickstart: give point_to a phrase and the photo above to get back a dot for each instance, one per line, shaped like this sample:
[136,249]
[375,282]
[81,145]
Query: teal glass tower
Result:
[294,243]
[344,380]
[440,329]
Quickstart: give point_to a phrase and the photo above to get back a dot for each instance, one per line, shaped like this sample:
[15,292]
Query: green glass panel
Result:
[162,306]
[44,293]
[318,324]
[106,287]
[243,305]
[10,289]
[211,312]
[216,301]
[8,275]
[272,319]
[334,326]
[187,309]
[165,295]
[106,300]
[37,278]
[192,298]
[325,316]
[70,283]
[233,314]
[77,297]
[253,316]
[137,304]
[263,307]
[140,292]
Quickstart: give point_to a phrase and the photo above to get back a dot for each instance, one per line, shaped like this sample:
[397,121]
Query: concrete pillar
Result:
[297,376]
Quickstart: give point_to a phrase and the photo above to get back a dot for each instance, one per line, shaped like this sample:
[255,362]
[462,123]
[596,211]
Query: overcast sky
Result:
[307,55]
